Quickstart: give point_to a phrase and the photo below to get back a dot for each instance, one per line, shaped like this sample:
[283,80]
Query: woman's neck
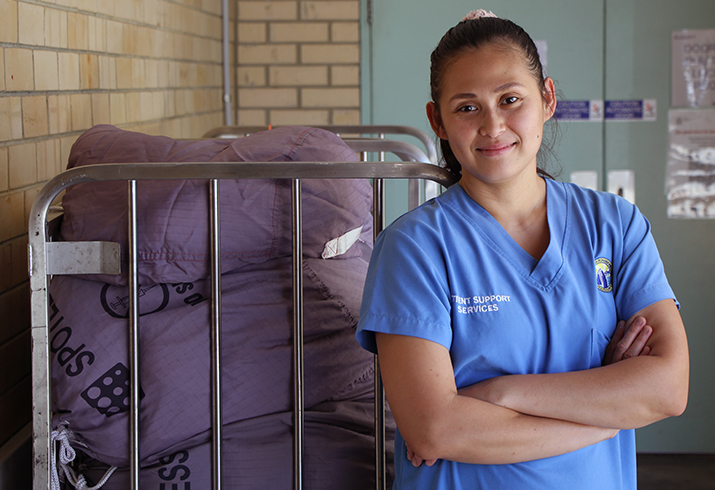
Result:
[519,207]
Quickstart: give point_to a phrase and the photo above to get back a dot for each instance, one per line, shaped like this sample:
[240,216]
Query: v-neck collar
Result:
[544,272]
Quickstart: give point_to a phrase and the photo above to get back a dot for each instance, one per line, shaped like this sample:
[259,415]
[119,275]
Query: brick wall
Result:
[298,62]
[66,65]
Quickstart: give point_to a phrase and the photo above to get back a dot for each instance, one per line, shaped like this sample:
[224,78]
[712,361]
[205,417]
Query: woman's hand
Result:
[628,343]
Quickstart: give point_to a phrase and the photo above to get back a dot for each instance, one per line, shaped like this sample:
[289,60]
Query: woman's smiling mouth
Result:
[495,150]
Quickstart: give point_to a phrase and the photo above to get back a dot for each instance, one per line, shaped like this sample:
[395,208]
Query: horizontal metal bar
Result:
[235,170]
[83,258]
[240,131]
[406,151]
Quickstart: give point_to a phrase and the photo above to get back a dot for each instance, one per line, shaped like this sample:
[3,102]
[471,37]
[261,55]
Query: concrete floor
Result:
[676,471]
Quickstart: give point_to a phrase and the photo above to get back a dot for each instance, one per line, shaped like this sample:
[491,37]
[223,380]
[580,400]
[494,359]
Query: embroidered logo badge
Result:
[604,279]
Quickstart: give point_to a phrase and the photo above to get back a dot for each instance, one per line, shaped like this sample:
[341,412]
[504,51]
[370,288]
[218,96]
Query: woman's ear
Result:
[549,98]
[435,120]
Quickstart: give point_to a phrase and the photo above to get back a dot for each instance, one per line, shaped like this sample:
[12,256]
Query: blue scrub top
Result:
[449,273]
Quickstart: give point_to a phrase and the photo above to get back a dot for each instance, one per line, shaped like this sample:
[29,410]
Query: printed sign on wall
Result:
[693,68]
[691,164]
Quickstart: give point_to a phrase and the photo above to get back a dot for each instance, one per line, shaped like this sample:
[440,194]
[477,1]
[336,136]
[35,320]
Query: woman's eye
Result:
[467,108]
[510,100]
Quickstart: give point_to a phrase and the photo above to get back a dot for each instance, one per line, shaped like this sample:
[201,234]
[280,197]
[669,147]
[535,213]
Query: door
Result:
[607,50]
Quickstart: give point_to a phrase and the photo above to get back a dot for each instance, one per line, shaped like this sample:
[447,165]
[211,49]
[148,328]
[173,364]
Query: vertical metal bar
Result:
[226,63]
[41,416]
[216,420]
[380,468]
[133,340]
[298,389]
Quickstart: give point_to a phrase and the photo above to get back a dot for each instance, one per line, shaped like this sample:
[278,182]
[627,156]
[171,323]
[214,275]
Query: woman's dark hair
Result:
[474,34]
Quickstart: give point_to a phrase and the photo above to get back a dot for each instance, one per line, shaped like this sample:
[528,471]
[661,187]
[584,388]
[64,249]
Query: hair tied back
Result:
[478,14]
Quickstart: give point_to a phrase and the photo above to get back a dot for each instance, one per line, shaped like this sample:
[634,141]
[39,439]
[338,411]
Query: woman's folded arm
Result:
[629,394]
[439,423]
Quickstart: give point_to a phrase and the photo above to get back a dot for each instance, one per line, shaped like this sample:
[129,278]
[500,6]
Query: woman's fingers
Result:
[628,341]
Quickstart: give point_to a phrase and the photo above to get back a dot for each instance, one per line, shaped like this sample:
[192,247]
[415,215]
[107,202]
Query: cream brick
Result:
[344,117]
[266,54]
[12,216]
[124,73]
[2,69]
[138,73]
[292,76]
[251,76]
[107,73]
[129,39]
[97,29]
[46,70]
[48,159]
[11,111]
[162,73]
[81,107]
[146,106]
[273,10]
[117,108]
[30,20]
[88,71]
[299,117]
[158,103]
[22,160]
[344,75]
[69,71]
[150,16]
[300,32]
[330,97]
[330,10]
[34,116]
[146,43]
[55,28]
[59,113]
[267,97]
[115,37]
[184,102]
[252,32]
[330,53]
[251,117]
[100,109]
[18,70]
[169,103]
[106,7]
[151,73]
[8,21]
[133,105]
[345,32]
[4,171]
[77,31]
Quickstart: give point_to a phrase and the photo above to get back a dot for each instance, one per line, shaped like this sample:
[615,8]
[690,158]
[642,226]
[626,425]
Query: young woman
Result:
[491,307]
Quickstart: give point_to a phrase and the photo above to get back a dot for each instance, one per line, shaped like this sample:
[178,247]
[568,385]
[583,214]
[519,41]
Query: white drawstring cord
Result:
[67,455]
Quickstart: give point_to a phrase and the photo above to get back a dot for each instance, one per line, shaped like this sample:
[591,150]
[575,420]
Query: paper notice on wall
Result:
[690,176]
[693,68]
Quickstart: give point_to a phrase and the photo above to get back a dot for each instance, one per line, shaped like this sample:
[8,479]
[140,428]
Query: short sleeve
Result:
[406,291]
[640,277]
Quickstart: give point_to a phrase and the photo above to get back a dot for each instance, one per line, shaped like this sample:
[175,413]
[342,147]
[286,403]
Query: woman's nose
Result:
[492,124]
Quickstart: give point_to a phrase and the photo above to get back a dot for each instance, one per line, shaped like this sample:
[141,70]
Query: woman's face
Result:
[492,112]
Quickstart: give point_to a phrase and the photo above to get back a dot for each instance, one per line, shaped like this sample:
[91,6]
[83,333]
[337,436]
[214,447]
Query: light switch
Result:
[622,182]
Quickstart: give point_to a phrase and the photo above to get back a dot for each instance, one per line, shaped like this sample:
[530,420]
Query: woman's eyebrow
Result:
[500,88]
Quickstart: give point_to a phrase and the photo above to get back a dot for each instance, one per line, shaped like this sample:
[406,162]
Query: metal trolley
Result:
[48,258]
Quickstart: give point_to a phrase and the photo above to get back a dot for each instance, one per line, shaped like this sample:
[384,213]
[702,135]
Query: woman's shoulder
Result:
[428,214]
